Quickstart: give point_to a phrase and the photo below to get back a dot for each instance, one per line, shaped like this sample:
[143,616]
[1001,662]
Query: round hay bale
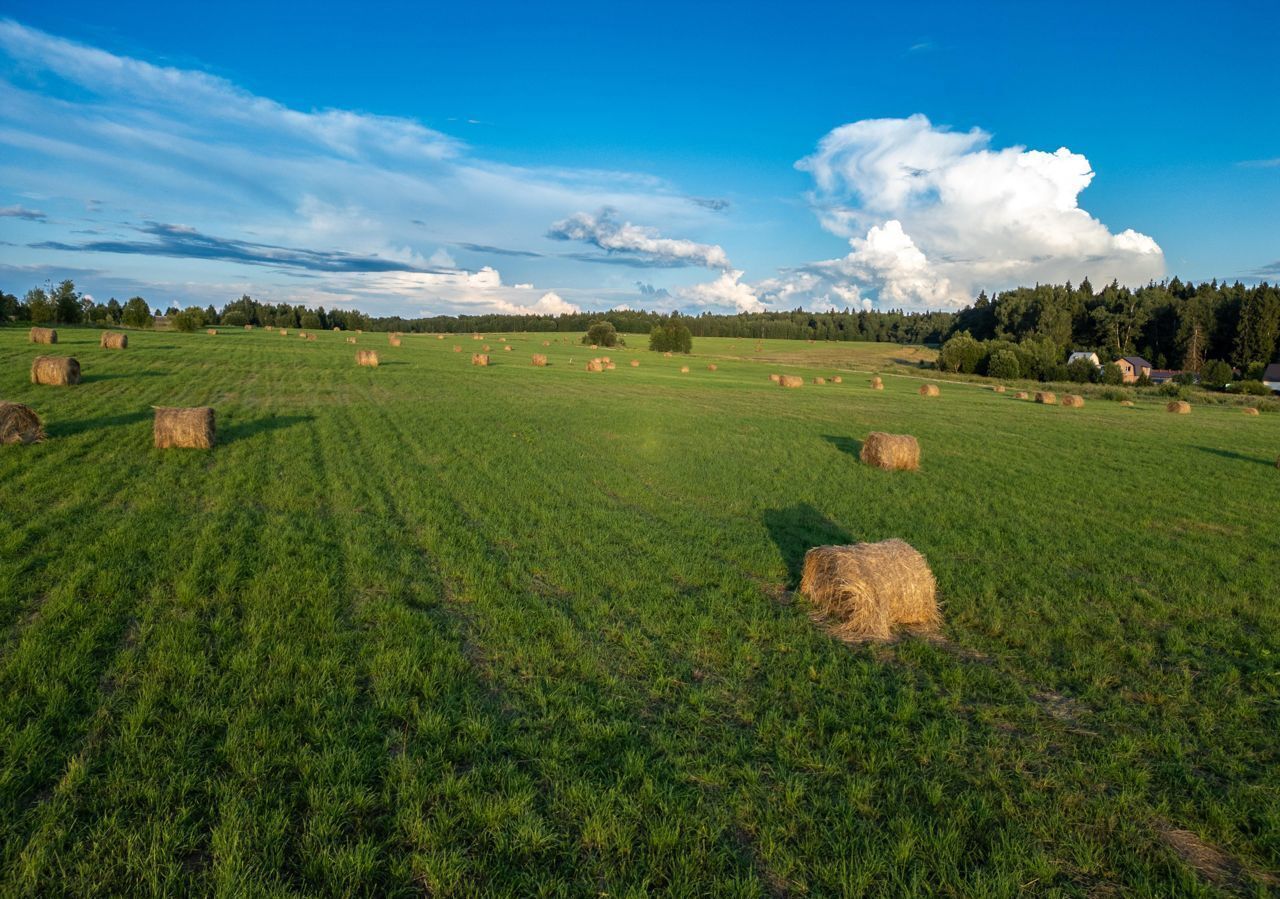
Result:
[1022,395]
[546,343]
[837,380]
[351,340]
[284,332]
[213,332]
[930,390]
[877,383]
[19,424]
[892,452]
[395,341]
[507,348]
[605,359]
[775,378]
[1126,402]
[999,388]
[178,428]
[311,337]
[1072,401]
[485,348]
[713,367]
[113,340]
[457,349]
[368,358]
[439,337]
[1046,398]
[666,355]
[479,358]
[868,590]
[790,381]
[250,328]
[635,363]
[684,369]
[1178,407]
[58,371]
[1250,410]
[502,340]
[594,365]
[335,327]
[819,380]
[42,335]
[610,366]
[539,360]
[302,334]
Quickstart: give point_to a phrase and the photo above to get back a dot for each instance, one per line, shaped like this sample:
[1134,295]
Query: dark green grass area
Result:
[434,629]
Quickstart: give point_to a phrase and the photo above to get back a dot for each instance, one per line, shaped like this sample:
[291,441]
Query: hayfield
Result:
[439,629]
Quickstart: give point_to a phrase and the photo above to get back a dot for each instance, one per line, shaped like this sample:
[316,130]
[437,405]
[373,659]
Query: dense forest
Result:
[1173,324]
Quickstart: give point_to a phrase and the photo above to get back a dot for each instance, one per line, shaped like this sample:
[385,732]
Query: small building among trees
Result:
[1133,367]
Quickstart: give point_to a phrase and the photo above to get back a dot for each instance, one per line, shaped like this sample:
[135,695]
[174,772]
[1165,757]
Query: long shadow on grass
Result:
[844,444]
[796,530]
[91,378]
[79,426]
[1232,454]
[244,430]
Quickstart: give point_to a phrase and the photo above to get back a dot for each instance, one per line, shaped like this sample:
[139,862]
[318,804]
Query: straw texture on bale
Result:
[367,357]
[42,335]
[635,363]
[302,334]
[19,424]
[1045,398]
[868,590]
[595,365]
[439,337]
[930,390]
[819,380]
[1250,410]
[502,340]
[59,371]
[837,380]
[892,452]
[395,341]
[605,359]
[877,383]
[1021,395]
[479,358]
[190,428]
[1178,407]
[775,378]
[684,369]
[790,381]
[539,360]
[1073,400]
[113,340]
[712,367]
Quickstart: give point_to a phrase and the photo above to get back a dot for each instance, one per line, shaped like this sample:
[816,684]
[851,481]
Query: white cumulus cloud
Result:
[603,230]
[726,292]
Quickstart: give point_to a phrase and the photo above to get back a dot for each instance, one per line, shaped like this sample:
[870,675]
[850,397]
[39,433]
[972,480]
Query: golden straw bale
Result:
[284,332]
[479,358]
[605,359]
[42,335]
[868,590]
[250,328]
[819,380]
[609,366]
[594,365]
[539,360]
[712,367]
[666,355]
[684,369]
[395,341]
[1178,407]
[1073,401]
[183,428]
[367,358]
[635,363]
[930,390]
[876,383]
[457,349]
[1021,395]
[1045,398]
[893,452]
[113,340]
[546,343]
[1126,402]
[1250,410]
[502,340]
[507,348]
[302,334]
[351,340]
[999,388]
[439,337]
[58,371]
[775,378]
[837,380]
[311,337]
[19,424]
[791,381]
[212,331]
[335,327]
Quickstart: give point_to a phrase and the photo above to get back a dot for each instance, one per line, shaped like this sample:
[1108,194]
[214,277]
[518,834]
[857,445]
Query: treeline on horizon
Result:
[1173,324]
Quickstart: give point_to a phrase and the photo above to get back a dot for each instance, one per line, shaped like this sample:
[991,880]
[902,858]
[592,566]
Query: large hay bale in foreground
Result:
[791,381]
[58,371]
[42,335]
[1022,395]
[877,383]
[892,452]
[178,428]
[479,358]
[868,590]
[930,390]
[113,340]
[367,358]
[1250,410]
[1046,398]
[539,360]
[1178,407]
[1073,401]
[19,424]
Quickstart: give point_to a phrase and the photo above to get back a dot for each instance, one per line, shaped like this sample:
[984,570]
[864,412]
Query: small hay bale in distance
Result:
[867,591]
[684,369]
[1046,398]
[892,452]
[712,367]
[395,341]
[1126,402]
[502,340]
[250,328]
[212,332]
[19,424]
[930,390]
[479,358]
[351,340]
[1250,410]
[1021,395]
[507,348]
[439,337]
[595,365]
[877,383]
[1073,401]
[666,355]
[546,343]
[775,378]
[837,380]
[113,340]
[42,335]
[302,334]
[284,332]
[311,337]
[56,371]
[1178,407]
[179,428]
[610,366]
[457,349]
[485,348]
[999,388]
[635,363]
[819,380]
[539,360]
[790,381]
[368,358]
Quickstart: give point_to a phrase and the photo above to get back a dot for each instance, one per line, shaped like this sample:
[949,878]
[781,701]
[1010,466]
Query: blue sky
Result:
[413,160]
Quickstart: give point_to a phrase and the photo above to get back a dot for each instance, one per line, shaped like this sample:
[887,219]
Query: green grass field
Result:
[440,630]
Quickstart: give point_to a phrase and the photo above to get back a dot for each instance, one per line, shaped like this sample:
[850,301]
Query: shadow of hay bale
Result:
[845,444]
[797,529]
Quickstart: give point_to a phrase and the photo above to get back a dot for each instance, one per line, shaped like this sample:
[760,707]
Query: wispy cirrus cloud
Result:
[21,212]
[628,244]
